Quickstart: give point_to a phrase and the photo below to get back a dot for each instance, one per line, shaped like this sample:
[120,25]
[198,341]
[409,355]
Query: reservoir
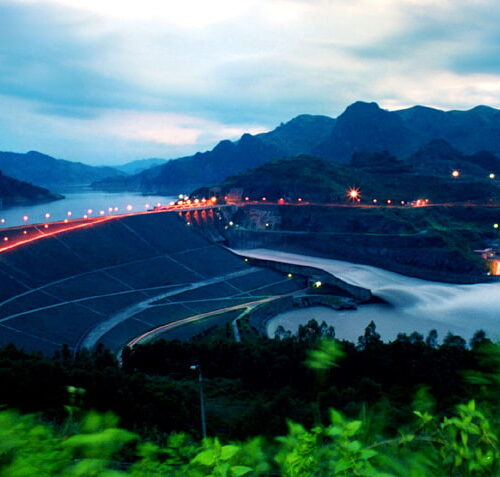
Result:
[77,203]
[410,304]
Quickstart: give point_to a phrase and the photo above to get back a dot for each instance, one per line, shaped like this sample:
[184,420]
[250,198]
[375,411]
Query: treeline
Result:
[250,388]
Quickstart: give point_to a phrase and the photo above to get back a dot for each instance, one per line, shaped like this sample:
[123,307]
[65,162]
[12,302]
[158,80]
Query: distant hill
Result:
[134,167]
[15,192]
[47,171]
[298,136]
[317,180]
[362,127]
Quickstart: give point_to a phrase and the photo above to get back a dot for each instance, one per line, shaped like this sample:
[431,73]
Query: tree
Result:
[432,339]
[371,338]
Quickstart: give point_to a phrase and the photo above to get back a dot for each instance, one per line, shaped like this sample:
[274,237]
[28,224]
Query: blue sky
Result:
[105,81]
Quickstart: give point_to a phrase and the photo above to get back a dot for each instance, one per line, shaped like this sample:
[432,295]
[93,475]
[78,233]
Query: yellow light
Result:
[65,221]
[317,284]
[289,275]
[495,226]
[455,173]
[245,259]
[46,226]
[6,239]
[353,194]
[491,176]
[214,199]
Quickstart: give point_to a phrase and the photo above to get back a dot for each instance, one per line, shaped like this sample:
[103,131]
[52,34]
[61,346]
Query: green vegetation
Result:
[316,180]
[463,442]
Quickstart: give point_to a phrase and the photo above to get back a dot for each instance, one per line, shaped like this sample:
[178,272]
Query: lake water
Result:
[412,304]
[79,202]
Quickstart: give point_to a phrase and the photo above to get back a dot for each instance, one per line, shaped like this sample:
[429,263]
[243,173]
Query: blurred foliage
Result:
[463,443]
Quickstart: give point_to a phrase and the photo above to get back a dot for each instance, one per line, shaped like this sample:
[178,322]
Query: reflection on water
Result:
[412,304]
[79,202]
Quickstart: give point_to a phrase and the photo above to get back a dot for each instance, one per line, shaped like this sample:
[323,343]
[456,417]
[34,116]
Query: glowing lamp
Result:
[2,221]
[129,207]
[455,173]
[389,201]
[25,218]
[317,284]
[101,212]
[6,239]
[495,226]
[47,215]
[289,275]
[25,232]
[299,199]
[69,213]
[491,176]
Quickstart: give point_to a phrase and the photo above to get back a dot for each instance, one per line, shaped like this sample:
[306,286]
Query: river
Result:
[78,202]
[411,304]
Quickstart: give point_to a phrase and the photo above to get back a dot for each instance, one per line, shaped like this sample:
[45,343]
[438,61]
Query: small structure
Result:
[492,257]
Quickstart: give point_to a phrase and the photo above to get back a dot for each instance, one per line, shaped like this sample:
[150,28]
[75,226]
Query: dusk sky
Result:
[106,82]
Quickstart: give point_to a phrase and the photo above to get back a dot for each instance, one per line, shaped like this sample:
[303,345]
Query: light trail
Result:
[62,226]
[152,333]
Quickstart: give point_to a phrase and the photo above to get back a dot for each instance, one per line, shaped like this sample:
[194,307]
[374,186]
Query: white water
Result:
[78,202]
[413,304]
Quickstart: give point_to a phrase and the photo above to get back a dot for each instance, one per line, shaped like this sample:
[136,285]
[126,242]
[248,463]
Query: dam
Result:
[110,280]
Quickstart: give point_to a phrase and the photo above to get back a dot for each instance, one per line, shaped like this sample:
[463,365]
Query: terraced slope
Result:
[118,279]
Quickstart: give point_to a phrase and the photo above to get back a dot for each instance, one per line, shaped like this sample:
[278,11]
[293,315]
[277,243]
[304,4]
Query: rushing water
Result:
[412,304]
[79,202]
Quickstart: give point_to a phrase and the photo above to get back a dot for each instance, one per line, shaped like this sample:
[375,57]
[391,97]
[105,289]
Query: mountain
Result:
[187,173]
[362,127]
[15,192]
[367,127]
[438,157]
[47,171]
[298,136]
[140,165]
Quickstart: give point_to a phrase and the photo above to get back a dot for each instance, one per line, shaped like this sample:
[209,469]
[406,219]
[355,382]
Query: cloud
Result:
[104,78]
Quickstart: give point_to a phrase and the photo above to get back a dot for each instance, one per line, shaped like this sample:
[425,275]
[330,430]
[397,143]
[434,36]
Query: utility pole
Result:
[202,401]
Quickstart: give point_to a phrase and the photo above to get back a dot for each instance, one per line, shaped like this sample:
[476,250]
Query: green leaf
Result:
[206,458]
[239,470]
[228,451]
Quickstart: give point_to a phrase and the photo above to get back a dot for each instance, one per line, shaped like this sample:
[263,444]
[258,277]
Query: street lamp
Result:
[202,401]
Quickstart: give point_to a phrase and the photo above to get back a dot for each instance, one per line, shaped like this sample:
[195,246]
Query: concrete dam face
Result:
[120,279]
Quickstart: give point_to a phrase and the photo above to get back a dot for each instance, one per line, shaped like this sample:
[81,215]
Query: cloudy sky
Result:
[105,81]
